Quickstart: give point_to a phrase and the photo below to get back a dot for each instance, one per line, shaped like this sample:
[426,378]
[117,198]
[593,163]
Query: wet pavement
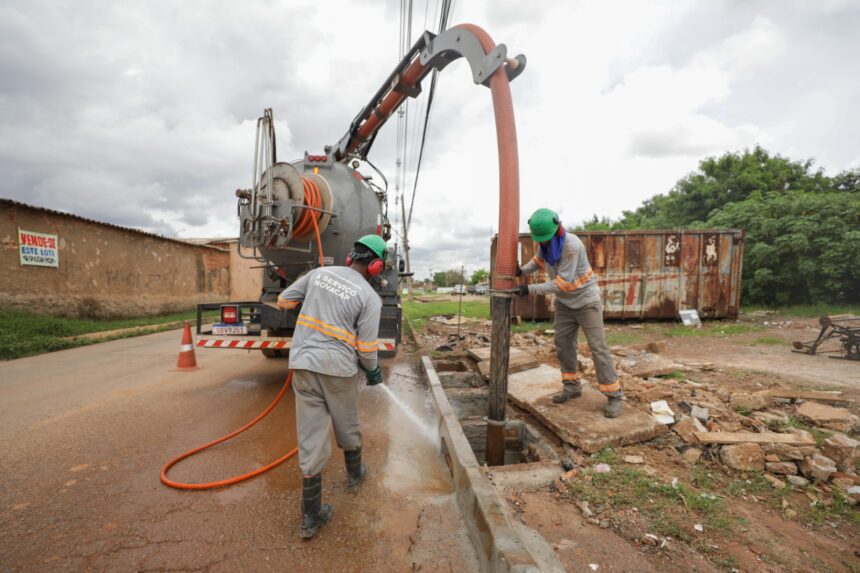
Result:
[84,434]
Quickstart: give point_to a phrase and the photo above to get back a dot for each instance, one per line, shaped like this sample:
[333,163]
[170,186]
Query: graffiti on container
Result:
[672,251]
[634,292]
[709,256]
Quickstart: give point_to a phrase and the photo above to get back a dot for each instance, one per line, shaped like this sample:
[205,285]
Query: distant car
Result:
[459,289]
[481,289]
[470,289]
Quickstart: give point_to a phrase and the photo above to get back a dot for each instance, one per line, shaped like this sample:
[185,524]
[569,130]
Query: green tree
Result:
[722,180]
[479,276]
[801,247]
[448,278]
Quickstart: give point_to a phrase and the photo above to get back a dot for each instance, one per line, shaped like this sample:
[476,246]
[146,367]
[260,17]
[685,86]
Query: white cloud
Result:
[144,114]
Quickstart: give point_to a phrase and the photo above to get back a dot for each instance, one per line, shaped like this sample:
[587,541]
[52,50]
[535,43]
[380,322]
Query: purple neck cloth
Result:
[552,253]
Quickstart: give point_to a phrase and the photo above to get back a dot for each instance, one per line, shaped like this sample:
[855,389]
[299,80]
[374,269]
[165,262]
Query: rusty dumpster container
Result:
[653,274]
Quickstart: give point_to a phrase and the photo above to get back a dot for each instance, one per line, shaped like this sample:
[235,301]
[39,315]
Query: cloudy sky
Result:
[143,113]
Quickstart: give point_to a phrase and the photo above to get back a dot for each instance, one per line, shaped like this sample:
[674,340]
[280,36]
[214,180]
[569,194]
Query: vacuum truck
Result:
[306,213]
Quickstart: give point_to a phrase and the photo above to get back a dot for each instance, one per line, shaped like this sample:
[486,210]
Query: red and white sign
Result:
[38,249]
[244,343]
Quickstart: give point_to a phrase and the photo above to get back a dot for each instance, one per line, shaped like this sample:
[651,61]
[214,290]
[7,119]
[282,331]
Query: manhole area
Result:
[523,442]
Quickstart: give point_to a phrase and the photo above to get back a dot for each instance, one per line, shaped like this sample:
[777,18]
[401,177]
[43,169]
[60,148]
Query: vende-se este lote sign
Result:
[38,249]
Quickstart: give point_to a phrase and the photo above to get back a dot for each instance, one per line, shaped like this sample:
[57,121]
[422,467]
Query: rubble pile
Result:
[758,429]
[769,430]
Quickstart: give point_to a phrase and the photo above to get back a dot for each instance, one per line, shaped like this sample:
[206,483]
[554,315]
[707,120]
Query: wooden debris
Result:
[819,396]
[753,438]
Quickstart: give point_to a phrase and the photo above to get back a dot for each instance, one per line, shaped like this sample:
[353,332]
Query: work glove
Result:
[374,376]
[519,271]
[522,290]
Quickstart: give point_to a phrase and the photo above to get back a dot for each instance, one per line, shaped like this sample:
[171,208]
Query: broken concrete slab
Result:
[841,449]
[754,401]
[817,467]
[646,365]
[483,353]
[784,468]
[517,363]
[524,476]
[786,452]
[579,422]
[687,428]
[691,455]
[700,413]
[839,419]
[743,457]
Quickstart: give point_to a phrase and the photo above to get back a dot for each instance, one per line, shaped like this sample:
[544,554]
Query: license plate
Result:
[229,329]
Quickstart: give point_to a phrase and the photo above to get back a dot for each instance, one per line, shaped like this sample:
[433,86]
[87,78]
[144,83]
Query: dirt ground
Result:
[715,518]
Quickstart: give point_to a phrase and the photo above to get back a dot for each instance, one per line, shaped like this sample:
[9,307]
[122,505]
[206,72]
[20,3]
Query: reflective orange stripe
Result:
[538,262]
[288,304]
[348,340]
[368,346]
[610,387]
[568,287]
[570,376]
[327,325]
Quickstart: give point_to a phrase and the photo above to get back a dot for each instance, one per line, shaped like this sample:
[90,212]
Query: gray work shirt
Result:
[572,281]
[338,321]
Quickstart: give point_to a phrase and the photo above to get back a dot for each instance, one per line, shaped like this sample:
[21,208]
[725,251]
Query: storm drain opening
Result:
[468,395]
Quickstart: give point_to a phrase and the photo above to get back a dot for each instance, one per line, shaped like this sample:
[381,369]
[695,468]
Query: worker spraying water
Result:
[339,320]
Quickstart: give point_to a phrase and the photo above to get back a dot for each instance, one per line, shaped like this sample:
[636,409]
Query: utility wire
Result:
[443,24]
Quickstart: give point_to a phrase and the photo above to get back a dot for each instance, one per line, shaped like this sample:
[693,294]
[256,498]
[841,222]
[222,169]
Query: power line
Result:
[443,24]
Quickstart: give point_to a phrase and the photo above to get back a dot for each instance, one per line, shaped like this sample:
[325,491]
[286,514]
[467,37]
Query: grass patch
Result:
[413,309]
[817,433]
[28,334]
[711,329]
[809,310]
[675,374]
[743,410]
[769,341]
[530,326]
[623,339]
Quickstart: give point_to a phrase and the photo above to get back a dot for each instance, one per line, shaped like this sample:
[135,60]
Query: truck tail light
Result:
[229,314]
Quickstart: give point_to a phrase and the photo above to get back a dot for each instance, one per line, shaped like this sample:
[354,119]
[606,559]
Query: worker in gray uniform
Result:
[562,255]
[336,334]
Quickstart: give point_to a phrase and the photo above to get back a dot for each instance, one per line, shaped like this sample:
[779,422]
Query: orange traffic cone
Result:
[187,359]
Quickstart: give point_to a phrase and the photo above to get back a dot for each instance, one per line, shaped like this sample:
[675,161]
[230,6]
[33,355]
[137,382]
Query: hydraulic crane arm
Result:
[429,52]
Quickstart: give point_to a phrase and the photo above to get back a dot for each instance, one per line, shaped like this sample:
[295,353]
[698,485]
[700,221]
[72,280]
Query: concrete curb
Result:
[497,542]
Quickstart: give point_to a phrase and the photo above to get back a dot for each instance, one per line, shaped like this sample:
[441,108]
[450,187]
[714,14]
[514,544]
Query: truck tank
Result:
[281,214]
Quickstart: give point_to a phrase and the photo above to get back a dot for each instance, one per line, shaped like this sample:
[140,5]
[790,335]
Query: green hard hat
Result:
[543,224]
[375,243]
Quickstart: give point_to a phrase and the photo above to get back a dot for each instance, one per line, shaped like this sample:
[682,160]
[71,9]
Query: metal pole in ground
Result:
[499,353]
[460,307]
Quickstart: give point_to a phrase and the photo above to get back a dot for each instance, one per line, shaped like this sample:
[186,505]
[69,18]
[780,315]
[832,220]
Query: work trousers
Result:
[321,399]
[567,324]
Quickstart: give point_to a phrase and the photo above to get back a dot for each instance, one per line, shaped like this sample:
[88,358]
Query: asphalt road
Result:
[85,432]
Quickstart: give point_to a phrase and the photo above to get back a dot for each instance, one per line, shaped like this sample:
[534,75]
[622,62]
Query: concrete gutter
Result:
[501,546]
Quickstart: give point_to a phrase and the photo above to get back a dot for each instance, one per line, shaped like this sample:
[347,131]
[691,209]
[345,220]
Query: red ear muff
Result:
[375,267]
[560,231]
[348,260]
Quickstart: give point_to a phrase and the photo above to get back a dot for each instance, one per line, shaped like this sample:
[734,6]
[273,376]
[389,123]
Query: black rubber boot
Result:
[613,407]
[314,513]
[355,470]
[570,392]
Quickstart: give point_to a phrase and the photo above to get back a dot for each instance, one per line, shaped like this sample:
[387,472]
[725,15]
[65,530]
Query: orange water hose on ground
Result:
[312,198]
[230,481]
